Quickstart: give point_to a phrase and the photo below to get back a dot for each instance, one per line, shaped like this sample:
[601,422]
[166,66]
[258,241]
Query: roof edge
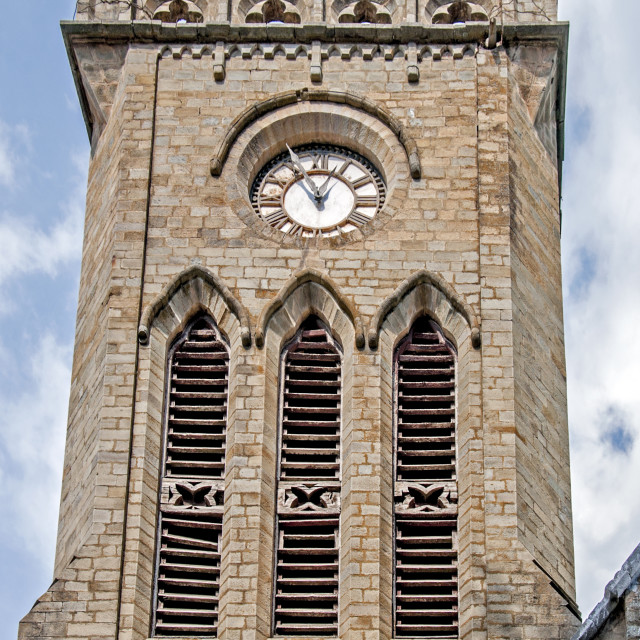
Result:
[622,582]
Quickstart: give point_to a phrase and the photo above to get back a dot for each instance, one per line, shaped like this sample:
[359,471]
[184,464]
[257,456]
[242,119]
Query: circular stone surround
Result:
[307,123]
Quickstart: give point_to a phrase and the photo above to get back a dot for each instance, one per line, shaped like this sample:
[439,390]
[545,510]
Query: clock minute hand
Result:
[323,189]
[307,178]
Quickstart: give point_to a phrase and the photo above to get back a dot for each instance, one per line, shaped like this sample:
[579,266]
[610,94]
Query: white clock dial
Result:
[318,190]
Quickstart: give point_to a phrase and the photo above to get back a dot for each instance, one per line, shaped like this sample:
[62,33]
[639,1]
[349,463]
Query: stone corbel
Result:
[219,62]
[316,61]
[413,72]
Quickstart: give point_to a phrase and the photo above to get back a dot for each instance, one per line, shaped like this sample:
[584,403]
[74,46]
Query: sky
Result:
[44,155]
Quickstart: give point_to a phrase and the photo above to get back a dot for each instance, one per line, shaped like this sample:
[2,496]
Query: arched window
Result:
[192,488]
[425,512]
[307,533]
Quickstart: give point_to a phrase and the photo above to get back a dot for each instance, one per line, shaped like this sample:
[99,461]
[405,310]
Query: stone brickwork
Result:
[469,235]
[540,374]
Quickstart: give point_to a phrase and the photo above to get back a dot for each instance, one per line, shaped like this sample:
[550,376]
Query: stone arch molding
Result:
[427,293]
[198,288]
[252,113]
[310,291]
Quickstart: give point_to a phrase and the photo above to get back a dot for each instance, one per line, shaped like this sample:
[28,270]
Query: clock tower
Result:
[319,382]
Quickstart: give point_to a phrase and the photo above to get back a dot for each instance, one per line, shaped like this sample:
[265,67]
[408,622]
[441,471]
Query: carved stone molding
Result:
[365,11]
[248,116]
[181,496]
[315,498]
[458,12]
[178,11]
[300,278]
[195,272]
[435,281]
[268,11]
[438,499]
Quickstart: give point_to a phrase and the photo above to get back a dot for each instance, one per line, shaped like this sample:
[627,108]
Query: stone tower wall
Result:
[165,238]
[543,480]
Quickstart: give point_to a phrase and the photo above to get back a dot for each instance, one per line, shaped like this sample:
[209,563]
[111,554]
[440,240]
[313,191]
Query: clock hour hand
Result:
[307,178]
[323,189]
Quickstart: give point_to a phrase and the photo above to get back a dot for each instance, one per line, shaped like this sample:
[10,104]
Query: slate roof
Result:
[624,579]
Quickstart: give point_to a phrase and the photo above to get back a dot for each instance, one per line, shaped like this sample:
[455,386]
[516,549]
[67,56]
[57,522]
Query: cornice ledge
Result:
[158,32]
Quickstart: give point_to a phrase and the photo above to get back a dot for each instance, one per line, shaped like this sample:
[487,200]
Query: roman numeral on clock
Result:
[360,182]
[358,218]
[269,201]
[366,201]
[276,218]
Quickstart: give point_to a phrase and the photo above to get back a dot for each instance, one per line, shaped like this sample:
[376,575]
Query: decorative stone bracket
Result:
[413,72]
[219,62]
[316,61]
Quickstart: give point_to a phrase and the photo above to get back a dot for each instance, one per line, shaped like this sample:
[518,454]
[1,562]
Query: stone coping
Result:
[146,31]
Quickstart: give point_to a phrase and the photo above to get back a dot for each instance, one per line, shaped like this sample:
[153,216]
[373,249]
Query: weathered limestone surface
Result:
[483,216]
[543,479]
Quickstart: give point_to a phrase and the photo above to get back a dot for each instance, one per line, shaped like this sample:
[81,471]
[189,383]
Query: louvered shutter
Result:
[426,574]
[306,589]
[190,522]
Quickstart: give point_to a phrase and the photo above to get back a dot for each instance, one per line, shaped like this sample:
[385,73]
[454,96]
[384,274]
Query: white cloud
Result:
[601,225]
[25,248]
[32,428]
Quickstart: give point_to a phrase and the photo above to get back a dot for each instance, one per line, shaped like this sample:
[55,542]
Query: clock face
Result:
[318,190]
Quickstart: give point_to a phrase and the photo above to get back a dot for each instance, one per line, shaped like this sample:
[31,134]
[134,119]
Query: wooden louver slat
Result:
[306,590]
[188,565]
[426,573]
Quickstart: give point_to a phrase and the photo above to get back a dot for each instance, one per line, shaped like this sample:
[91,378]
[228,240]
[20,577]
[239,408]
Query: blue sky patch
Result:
[617,434]
[585,274]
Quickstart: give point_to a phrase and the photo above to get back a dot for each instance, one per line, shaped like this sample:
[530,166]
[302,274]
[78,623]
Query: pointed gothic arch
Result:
[428,294]
[191,296]
[190,290]
[308,296]
[294,285]
[192,481]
